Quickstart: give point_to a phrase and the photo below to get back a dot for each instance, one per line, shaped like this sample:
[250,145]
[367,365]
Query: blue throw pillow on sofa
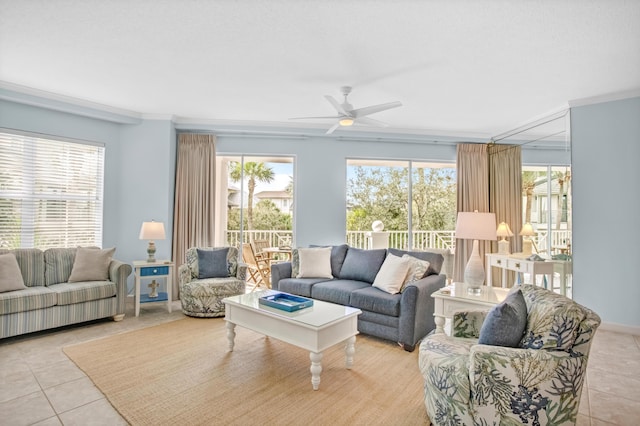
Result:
[213,263]
[505,323]
[362,265]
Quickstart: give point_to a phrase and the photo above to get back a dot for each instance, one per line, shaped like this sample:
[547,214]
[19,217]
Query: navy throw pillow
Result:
[213,263]
[505,323]
[362,265]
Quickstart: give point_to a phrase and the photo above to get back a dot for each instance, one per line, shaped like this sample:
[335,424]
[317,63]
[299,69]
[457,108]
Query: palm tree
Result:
[528,184]
[255,172]
[562,178]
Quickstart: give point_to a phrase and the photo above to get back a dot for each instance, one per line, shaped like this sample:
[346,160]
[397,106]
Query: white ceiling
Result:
[465,67]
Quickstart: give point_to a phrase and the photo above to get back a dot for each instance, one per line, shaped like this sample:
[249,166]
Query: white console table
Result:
[521,266]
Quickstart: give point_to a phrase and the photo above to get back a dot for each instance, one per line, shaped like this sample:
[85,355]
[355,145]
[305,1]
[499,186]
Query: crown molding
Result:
[608,97]
[246,127]
[163,117]
[55,102]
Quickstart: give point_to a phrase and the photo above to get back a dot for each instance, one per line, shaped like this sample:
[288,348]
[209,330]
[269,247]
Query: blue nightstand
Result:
[149,271]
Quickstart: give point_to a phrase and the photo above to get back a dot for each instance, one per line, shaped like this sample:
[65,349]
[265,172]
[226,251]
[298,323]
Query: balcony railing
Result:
[422,240]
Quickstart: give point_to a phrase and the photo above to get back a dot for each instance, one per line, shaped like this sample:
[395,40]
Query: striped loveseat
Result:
[49,301]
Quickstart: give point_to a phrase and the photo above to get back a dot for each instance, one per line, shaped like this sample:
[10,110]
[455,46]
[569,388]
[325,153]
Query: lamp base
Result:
[474,271]
[503,247]
[151,252]
[526,247]
[474,291]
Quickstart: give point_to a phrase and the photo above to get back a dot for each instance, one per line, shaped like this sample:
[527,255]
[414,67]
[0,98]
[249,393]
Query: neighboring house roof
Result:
[272,195]
[541,186]
[233,200]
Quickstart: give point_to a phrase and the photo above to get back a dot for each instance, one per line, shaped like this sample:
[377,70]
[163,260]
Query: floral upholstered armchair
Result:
[538,382]
[209,275]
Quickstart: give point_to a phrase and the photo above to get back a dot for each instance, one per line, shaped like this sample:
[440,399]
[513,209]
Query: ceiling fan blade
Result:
[371,122]
[334,127]
[336,105]
[361,112]
[331,117]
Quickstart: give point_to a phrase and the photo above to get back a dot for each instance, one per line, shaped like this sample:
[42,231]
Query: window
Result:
[546,204]
[51,192]
[381,190]
[258,195]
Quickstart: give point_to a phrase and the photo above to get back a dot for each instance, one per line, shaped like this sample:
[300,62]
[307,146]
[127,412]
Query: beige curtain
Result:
[472,166]
[505,195]
[194,205]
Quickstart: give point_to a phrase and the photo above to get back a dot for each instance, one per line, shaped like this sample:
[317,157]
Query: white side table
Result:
[151,270]
[456,298]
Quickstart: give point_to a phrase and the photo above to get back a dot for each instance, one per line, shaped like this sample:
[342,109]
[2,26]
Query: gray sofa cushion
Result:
[30,299]
[70,293]
[435,259]
[336,291]
[362,265]
[299,286]
[338,254]
[58,263]
[375,300]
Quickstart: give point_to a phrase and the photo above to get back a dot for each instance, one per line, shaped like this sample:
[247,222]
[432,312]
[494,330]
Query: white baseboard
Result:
[619,328]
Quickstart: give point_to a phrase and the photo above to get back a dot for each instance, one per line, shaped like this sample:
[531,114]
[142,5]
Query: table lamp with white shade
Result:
[503,231]
[527,232]
[475,226]
[152,231]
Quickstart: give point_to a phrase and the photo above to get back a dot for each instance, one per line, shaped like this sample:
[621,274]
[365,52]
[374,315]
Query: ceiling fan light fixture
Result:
[347,121]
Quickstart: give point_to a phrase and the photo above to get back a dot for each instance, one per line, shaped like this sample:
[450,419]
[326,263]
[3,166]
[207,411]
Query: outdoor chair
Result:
[258,270]
[258,249]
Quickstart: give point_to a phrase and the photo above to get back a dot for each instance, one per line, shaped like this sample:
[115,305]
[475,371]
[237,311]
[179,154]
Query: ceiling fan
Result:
[347,115]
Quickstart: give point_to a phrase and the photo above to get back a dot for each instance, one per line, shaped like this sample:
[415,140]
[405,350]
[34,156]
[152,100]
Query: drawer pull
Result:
[518,265]
[155,271]
[499,262]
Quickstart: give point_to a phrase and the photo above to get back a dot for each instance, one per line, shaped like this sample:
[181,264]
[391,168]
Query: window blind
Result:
[51,192]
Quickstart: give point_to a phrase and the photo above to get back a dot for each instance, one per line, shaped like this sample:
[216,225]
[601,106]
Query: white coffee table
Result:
[315,328]
[456,298]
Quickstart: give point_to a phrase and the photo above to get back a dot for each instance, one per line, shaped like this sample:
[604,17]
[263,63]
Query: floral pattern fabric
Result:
[539,384]
[203,297]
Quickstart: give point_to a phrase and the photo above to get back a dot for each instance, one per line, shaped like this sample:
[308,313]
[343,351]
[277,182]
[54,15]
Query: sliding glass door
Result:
[255,199]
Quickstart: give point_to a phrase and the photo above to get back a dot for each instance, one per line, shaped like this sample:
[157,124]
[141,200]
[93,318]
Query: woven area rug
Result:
[181,373]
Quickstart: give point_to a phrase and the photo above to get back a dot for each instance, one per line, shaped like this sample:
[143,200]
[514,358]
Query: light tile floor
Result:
[39,385]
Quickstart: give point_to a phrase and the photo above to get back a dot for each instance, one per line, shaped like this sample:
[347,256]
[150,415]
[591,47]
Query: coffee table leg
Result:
[350,350]
[231,334]
[316,368]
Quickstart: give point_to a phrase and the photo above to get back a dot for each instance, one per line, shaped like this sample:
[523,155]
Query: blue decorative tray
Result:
[285,301]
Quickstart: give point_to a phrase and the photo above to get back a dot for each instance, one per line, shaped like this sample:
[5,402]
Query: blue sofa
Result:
[405,317]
